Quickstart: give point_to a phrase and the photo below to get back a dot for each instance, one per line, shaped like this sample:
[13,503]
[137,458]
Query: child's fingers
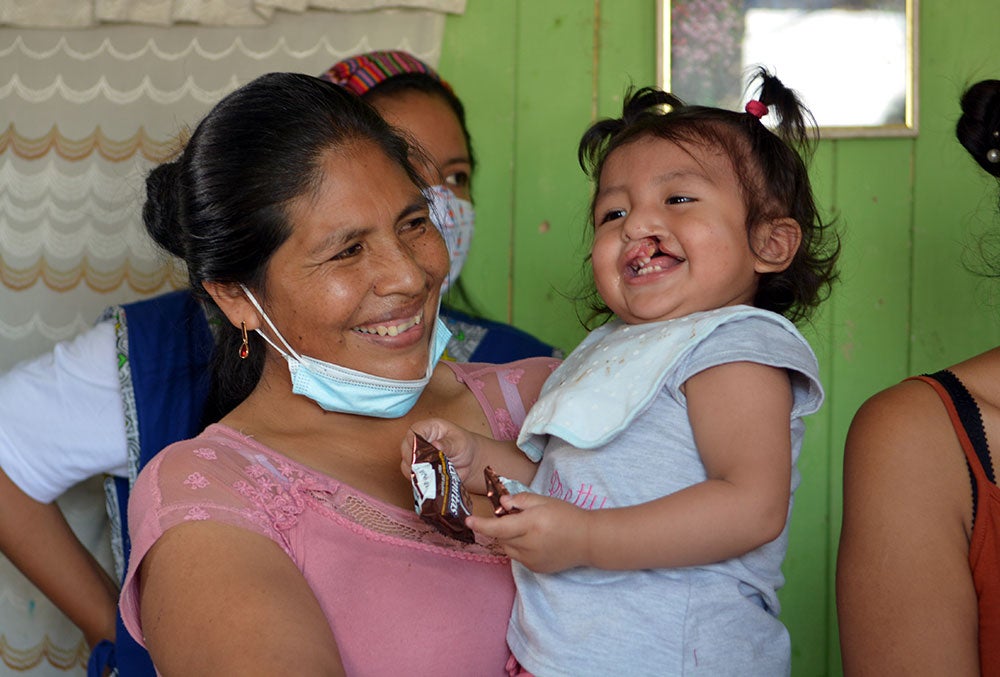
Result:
[503,529]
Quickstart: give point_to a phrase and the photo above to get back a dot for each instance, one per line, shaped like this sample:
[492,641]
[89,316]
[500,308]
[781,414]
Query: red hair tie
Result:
[756,108]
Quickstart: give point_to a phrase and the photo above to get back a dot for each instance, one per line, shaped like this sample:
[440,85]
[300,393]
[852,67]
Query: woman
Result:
[918,573]
[313,240]
[84,386]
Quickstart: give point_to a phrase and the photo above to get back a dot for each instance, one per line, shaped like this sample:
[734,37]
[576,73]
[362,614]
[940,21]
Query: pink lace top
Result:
[399,596]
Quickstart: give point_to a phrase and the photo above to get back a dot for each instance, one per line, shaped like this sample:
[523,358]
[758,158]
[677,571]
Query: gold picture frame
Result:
[853,62]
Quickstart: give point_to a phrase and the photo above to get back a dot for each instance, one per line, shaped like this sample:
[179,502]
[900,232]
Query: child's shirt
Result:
[719,618]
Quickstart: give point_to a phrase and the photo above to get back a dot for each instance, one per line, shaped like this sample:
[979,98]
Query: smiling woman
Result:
[312,244]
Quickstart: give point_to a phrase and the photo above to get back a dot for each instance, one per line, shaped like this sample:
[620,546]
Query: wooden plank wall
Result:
[534,74]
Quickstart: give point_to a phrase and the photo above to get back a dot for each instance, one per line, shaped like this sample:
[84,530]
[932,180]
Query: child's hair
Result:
[769,168]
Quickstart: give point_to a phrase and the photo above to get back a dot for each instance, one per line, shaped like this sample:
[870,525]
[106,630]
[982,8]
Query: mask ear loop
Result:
[438,212]
[253,300]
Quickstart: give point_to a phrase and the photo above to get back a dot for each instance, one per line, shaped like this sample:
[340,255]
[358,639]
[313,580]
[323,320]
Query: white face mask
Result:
[336,388]
[455,218]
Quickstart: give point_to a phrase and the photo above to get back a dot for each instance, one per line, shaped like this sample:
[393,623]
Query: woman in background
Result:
[918,570]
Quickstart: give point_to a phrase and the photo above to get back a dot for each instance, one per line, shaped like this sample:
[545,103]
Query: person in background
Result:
[661,455]
[918,569]
[138,380]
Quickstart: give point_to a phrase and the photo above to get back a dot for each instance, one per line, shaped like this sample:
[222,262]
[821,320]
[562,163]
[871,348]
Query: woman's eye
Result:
[679,199]
[612,215]
[418,223]
[351,251]
[457,179]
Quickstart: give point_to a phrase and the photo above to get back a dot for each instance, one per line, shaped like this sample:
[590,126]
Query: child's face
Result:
[670,233]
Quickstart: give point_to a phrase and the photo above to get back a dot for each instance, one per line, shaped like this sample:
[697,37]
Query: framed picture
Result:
[851,61]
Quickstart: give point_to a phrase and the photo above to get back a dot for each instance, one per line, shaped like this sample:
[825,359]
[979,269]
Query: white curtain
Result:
[84,114]
[86,13]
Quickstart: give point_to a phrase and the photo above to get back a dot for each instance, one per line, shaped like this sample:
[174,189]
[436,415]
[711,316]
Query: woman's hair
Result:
[978,130]
[222,206]
[388,73]
[979,127]
[770,167]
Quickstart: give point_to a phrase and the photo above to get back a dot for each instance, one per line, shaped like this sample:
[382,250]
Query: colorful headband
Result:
[361,73]
[756,108]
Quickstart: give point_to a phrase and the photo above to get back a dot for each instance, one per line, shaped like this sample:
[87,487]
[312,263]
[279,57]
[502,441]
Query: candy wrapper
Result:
[438,495]
[494,490]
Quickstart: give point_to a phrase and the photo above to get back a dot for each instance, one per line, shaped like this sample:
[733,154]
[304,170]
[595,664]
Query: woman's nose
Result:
[400,270]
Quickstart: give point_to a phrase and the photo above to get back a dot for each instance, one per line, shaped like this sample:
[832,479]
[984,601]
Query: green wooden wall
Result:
[534,73]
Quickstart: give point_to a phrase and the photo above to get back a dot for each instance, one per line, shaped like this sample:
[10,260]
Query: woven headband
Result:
[361,73]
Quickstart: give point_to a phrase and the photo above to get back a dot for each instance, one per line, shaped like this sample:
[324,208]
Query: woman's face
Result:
[434,125]
[357,281]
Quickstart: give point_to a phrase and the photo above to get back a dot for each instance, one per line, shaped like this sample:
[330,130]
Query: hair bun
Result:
[161,211]
[978,129]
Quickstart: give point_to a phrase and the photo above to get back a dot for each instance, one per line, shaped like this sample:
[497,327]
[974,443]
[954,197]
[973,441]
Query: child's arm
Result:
[740,415]
[470,453]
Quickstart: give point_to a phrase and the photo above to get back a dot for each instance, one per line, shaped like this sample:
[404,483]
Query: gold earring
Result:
[245,348]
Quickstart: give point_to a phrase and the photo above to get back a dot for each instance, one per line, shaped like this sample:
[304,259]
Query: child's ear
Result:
[233,302]
[775,244]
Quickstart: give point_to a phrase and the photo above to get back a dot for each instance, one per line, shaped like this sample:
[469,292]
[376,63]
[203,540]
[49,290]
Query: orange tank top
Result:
[984,548]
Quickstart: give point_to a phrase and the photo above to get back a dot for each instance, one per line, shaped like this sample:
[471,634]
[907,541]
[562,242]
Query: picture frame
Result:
[853,62]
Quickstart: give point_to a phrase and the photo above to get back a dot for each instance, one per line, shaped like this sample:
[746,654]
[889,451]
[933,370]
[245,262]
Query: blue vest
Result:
[164,349]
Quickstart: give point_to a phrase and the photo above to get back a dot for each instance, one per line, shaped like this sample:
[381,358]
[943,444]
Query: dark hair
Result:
[222,206]
[770,167]
[978,129]
[426,84]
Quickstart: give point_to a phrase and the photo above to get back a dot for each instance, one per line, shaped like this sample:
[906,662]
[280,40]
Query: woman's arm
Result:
[740,415]
[38,541]
[905,597]
[220,600]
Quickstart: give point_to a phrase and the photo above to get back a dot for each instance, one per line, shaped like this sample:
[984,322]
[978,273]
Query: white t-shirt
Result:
[61,417]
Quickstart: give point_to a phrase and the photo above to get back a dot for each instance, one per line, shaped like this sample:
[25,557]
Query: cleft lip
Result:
[639,257]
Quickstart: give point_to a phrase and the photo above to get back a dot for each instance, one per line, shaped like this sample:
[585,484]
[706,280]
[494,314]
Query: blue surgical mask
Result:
[336,388]
[455,218]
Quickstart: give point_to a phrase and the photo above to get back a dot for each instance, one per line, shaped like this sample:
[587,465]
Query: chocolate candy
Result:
[438,495]
[494,490]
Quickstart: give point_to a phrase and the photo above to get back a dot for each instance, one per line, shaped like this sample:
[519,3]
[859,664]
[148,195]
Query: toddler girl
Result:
[661,455]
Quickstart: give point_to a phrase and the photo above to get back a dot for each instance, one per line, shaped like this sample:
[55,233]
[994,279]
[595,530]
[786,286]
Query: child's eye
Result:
[679,199]
[612,215]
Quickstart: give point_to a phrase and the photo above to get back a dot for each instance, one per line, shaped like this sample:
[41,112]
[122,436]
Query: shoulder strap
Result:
[968,424]
[964,408]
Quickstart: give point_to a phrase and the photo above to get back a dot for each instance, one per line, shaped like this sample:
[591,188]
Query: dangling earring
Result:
[245,348]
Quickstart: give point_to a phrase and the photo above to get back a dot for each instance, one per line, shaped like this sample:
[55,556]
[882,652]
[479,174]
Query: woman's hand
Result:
[457,443]
[469,452]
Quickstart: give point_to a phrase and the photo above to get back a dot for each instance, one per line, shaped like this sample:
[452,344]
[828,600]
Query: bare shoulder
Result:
[905,598]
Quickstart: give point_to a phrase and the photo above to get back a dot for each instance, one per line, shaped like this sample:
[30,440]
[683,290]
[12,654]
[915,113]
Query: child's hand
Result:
[457,443]
[547,535]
